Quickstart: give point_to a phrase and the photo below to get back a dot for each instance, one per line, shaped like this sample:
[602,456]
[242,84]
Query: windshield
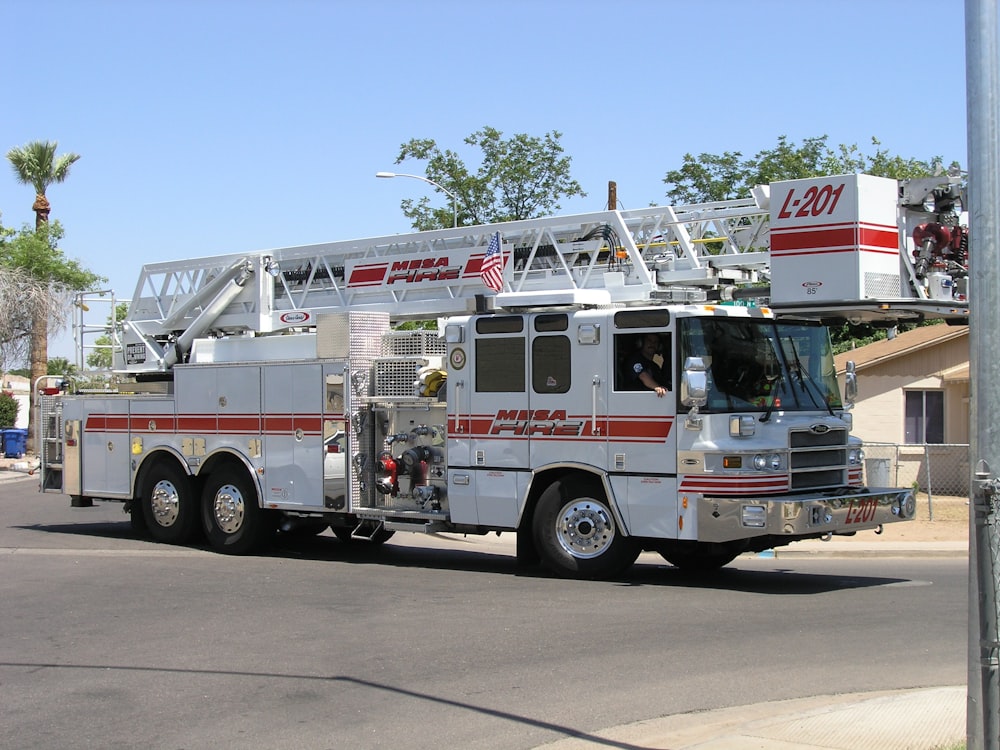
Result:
[762,364]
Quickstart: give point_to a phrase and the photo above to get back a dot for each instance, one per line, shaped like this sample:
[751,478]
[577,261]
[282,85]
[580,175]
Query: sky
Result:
[218,126]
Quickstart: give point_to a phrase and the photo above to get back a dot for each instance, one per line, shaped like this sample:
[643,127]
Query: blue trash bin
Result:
[15,442]
[2,452]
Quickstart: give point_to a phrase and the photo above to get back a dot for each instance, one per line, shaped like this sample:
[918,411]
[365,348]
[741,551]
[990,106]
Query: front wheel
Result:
[235,524]
[576,534]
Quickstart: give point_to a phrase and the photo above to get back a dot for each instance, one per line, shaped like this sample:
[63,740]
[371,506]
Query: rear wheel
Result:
[167,507]
[576,534]
[235,524]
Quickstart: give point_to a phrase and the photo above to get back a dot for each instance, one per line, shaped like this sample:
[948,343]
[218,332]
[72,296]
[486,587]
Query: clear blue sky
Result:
[217,126]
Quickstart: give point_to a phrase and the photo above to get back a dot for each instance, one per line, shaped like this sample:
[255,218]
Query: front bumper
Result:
[725,519]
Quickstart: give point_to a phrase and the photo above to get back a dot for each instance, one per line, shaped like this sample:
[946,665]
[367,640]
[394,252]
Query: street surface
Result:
[112,641]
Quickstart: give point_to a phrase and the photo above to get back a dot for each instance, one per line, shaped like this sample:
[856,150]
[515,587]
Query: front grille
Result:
[818,460]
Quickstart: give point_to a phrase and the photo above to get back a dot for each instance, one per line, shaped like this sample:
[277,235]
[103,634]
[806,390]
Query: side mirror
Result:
[850,385]
[694,382]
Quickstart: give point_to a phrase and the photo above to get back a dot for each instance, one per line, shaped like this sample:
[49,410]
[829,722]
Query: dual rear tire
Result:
[227,509]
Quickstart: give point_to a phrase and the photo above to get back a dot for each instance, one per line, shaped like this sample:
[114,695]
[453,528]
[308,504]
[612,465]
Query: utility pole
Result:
[982,66]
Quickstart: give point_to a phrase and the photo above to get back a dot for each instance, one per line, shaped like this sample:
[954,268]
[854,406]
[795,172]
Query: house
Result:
[912,407]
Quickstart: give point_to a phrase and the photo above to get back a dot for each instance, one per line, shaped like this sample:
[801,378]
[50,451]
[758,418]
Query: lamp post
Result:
[454,198]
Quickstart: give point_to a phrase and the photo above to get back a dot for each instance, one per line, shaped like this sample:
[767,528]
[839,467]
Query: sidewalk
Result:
[16,468]
[926,719]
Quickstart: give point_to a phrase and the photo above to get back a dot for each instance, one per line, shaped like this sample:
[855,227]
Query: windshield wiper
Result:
[805,381]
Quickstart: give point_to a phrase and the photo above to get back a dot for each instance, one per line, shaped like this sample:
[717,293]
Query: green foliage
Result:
[37,252]
[60,366]
[418,325]
[849,336]
[36,164]
[713,177]
[522,177]
[9,407]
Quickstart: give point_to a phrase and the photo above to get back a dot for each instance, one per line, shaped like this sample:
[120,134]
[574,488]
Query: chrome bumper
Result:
[724,519]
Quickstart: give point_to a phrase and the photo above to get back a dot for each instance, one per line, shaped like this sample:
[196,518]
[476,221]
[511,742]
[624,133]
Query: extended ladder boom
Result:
[669,254]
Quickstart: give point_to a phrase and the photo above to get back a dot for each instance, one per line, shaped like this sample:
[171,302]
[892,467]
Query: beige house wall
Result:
[880,408]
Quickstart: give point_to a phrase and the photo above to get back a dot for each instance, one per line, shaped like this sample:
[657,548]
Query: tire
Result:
[137,521]
[167,507]
[701,557]
[576,534]
[234,522]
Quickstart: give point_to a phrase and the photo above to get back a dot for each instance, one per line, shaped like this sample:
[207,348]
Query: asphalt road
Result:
[110,641]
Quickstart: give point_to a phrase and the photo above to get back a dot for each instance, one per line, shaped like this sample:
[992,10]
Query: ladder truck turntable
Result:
[271,390]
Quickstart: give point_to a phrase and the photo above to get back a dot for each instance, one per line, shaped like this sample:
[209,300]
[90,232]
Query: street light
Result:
[454,198]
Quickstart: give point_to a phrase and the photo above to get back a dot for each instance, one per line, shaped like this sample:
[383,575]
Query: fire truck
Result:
[274,391]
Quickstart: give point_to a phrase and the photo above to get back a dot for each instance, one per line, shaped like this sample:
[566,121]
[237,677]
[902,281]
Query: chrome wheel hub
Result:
[165,503]
[229,508]
[585,528]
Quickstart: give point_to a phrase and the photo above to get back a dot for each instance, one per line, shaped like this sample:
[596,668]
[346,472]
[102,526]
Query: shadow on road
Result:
[748,575]
[355,682]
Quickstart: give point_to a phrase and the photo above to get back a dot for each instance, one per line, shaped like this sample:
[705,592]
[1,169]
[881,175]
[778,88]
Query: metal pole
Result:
[930,487]
[442,188]
[982,64]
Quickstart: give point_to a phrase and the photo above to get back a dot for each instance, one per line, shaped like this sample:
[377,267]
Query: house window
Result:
[924,420]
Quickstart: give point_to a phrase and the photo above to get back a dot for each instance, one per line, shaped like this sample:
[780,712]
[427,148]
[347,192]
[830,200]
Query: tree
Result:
[36,164]
[522,177]
[711,177]
[61,366]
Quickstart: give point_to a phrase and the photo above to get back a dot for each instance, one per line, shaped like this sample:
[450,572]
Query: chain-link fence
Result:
[934,470]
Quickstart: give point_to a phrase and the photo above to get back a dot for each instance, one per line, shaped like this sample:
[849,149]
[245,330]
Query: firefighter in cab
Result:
[642,370]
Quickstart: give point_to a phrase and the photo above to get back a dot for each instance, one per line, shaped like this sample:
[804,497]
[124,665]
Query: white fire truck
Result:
[237,376]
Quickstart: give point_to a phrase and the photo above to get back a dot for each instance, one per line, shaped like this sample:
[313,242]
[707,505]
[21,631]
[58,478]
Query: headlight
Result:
[855,456]
[771,461]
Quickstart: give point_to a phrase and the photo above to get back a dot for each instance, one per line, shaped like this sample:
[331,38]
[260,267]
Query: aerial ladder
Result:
[851,247]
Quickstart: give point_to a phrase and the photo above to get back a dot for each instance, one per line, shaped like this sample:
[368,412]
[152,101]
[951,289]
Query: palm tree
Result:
[36,164]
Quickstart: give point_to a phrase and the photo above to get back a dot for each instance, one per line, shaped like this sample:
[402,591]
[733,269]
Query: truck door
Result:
[642,441]
[568,365]
[489,412]
[498,393]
